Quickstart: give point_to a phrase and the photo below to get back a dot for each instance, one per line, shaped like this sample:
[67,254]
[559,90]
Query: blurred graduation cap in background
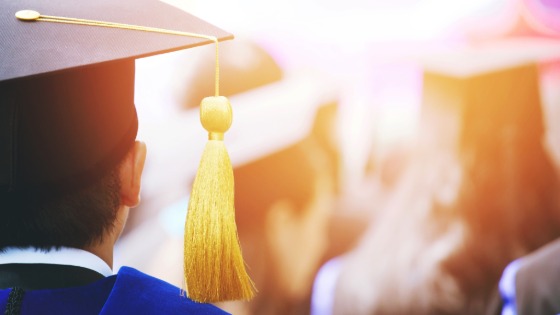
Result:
[266,119]
[488,90]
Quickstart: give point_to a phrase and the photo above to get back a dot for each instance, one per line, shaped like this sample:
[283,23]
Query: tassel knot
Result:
[216,115]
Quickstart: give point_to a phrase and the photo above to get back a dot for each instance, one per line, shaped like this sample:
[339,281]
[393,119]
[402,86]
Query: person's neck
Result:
[103,250]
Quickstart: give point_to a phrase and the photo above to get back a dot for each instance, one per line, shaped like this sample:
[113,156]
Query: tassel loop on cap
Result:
[214,267]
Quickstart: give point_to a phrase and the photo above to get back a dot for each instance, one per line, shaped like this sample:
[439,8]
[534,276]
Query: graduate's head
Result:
[68,121]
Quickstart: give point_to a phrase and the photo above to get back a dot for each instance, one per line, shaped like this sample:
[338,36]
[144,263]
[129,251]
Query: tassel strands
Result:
[214,266]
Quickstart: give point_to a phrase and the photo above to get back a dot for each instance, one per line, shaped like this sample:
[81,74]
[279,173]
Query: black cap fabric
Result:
[33,48]
[67,91]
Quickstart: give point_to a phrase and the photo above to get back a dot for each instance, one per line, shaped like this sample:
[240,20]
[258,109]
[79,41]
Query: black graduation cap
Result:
[67,91]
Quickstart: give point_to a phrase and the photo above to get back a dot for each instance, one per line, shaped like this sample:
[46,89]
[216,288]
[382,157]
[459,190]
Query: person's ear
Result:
[131,174]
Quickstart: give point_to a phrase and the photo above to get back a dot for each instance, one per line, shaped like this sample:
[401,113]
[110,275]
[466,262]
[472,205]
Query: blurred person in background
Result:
[283,204]
[481,191]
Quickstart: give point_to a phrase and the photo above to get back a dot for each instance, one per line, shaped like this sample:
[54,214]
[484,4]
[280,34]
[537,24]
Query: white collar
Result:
[63,256]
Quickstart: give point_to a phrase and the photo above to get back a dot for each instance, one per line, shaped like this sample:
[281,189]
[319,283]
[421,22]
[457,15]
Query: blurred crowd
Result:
[374,174]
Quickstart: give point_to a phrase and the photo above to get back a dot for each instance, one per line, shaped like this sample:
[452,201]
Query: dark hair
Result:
[72,219]
[287,174]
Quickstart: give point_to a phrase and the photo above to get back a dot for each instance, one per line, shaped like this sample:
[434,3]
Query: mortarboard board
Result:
[67,91]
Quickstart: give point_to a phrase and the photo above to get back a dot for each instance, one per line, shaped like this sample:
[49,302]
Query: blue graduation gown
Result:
[128,292]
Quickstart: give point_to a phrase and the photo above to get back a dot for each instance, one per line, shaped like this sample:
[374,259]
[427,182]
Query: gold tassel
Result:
[214,267]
